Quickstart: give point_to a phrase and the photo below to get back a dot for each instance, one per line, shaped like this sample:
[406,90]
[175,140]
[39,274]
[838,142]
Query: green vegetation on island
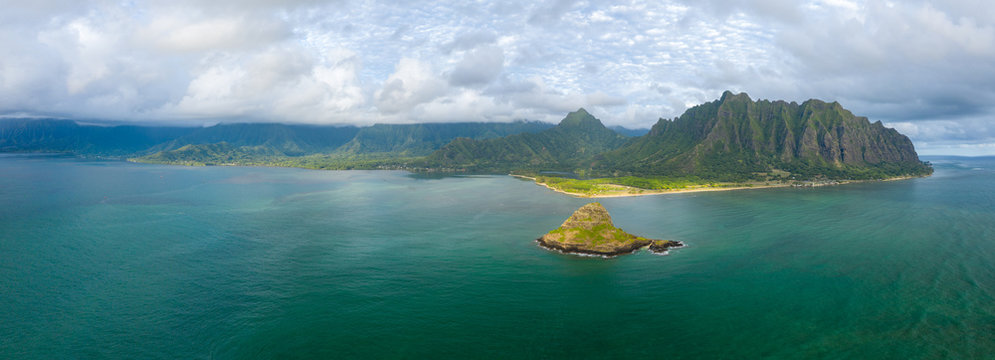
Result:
[590,230]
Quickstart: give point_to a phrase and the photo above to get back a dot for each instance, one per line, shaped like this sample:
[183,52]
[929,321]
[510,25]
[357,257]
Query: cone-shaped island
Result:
[589,231]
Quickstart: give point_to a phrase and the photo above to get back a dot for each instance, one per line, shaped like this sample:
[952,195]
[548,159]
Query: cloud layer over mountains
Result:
[926,68]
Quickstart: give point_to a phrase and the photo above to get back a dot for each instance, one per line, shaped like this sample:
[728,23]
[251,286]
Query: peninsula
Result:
[589,231]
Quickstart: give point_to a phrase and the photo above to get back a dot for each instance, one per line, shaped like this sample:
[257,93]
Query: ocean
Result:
[108,259]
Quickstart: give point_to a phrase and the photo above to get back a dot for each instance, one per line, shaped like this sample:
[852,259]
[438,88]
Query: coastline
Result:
[649,192]
[648,247]
[622,190]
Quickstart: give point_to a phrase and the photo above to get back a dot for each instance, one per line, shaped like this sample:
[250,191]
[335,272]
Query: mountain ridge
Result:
[735,135]
[731,139]
[292,140]
[578,137]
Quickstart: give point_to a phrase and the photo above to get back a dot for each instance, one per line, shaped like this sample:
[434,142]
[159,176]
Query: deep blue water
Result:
[120,260]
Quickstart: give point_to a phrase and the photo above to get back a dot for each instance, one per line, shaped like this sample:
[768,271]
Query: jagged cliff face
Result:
[812,131]
[737,135]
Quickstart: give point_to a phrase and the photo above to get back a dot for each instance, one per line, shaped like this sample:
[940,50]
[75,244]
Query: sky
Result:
[924,68]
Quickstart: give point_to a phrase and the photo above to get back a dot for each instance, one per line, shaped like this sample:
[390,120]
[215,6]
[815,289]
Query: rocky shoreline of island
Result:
[660,247]
[589,231]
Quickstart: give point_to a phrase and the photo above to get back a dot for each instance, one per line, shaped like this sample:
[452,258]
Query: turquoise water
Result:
[120,260]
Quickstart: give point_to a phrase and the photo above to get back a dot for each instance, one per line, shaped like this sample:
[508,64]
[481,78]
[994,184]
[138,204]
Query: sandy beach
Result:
[625,191]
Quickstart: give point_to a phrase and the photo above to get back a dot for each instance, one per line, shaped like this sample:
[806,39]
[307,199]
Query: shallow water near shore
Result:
[102,259]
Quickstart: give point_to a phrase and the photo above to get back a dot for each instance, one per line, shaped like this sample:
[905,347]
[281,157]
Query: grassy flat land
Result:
[635,185]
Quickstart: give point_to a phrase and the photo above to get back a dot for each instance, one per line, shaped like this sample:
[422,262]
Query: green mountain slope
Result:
[629,132]
[51,135]
[215,154]
[571,144]
[422,139]
[735,138]
[290,140]
[340,147]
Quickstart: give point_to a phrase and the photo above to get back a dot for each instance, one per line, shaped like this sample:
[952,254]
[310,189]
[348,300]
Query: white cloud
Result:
[599,98]
[214,93]
[929,66]
[469,40]
[412,83]
[479,66]
[600,16]
[280,84]
[464,105]
[180,33]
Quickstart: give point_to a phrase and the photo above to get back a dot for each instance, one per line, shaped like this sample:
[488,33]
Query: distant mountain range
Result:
[423,139]
[731,139]
[565,147]
[282,139]
[629,132]
[66,136]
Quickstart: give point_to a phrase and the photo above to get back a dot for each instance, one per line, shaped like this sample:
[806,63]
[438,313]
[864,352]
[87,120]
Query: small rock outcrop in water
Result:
[590,231]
